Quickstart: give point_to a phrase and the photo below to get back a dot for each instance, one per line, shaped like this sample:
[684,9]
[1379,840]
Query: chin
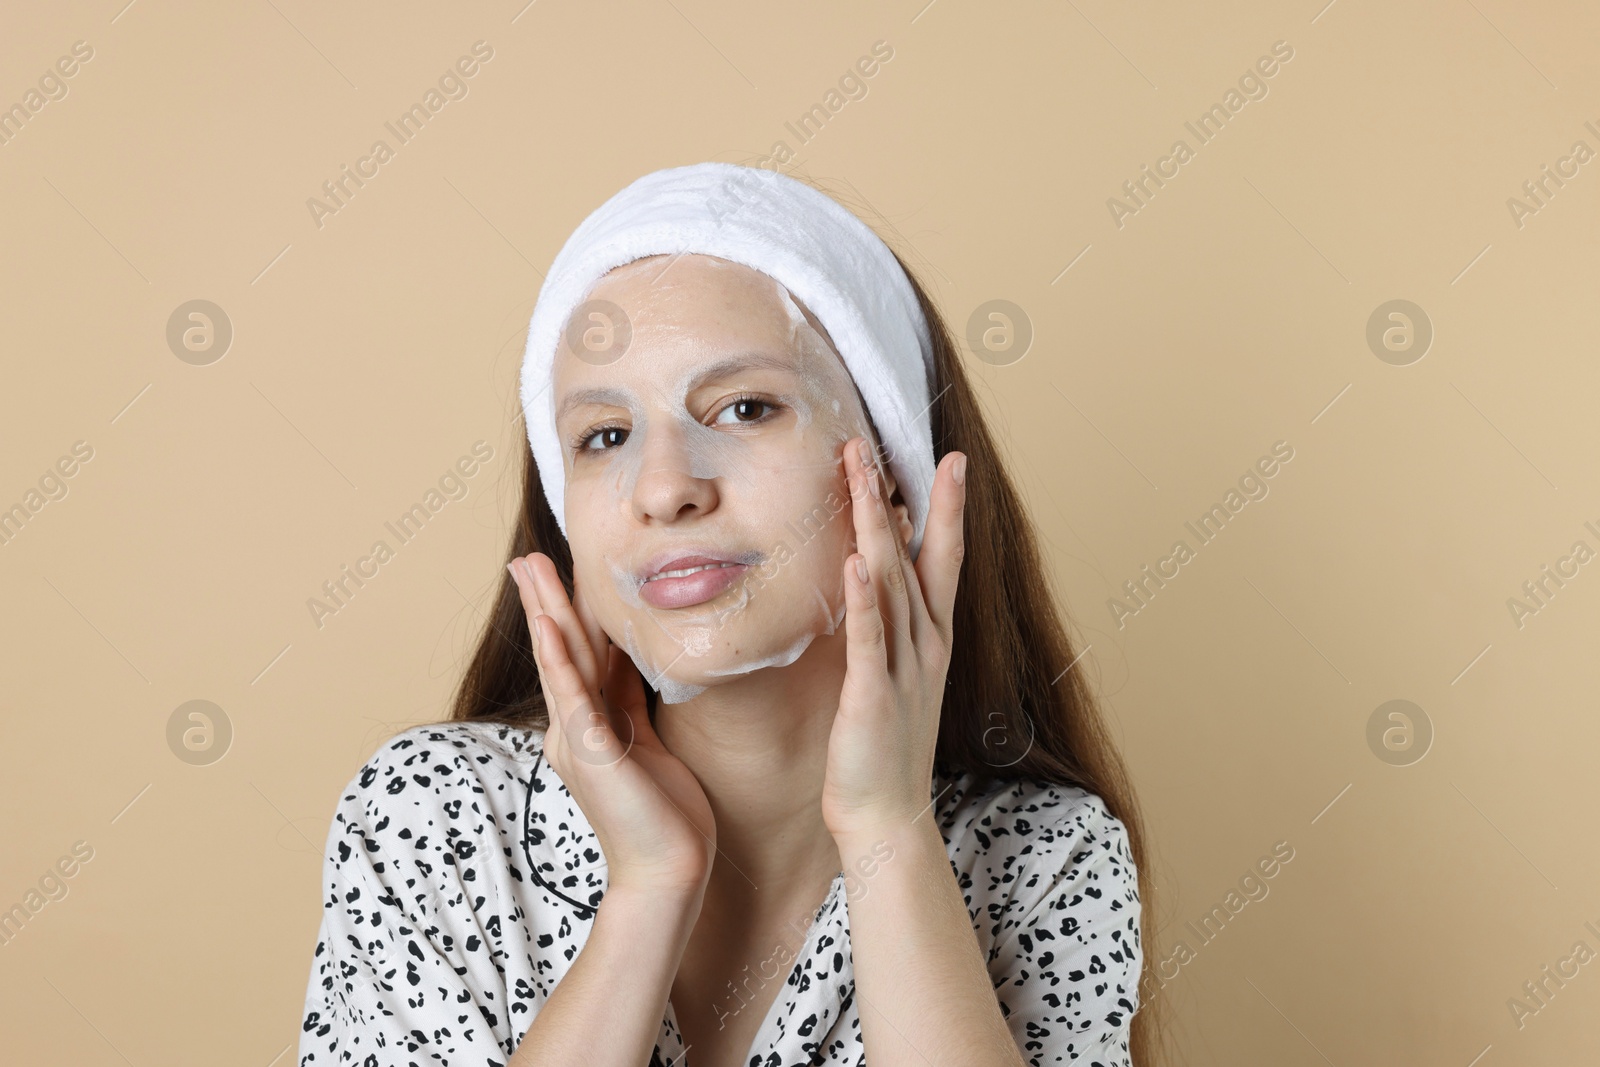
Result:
[714,649]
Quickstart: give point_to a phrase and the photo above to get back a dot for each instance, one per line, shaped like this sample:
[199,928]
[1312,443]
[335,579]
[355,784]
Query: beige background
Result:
[1229,313]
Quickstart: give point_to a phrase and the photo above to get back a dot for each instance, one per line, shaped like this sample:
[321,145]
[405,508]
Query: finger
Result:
[532,609]
[625,690]
[585,727]
[553,596]
[866,644]
[876,539]
[624,684]
[599,640]
[938,563]
[920,625]
[529,596]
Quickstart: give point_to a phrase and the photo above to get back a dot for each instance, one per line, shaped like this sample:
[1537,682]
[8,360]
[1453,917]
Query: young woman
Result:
[772,751]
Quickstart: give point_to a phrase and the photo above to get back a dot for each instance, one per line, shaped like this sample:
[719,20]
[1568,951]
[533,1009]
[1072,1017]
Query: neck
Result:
[758,744]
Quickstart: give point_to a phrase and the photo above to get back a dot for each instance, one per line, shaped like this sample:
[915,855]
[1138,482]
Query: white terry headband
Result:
[826,257]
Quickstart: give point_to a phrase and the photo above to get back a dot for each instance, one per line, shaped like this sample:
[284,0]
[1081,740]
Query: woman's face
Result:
[711,445]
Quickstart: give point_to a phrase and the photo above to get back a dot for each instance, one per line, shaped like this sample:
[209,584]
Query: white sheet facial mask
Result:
[698,472]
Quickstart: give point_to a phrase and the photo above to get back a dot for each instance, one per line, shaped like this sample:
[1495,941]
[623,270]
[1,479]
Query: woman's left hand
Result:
[899,622]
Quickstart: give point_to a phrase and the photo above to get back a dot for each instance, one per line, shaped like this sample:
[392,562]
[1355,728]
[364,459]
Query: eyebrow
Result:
[744,362]
[591,396]
[723,368]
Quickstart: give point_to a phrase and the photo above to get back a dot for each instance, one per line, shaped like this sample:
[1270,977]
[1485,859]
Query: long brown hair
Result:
[1008,678]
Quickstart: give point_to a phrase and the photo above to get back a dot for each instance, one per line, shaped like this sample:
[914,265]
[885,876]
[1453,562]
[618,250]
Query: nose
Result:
[667,489]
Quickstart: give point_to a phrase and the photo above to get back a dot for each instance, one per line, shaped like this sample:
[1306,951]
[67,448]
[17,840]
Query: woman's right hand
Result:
[649,811]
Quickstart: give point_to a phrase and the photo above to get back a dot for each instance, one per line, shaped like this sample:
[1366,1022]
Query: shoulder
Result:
[450,768]
[1023,849]
[423,942]
[1007,823]
[450,751]
[1050,881]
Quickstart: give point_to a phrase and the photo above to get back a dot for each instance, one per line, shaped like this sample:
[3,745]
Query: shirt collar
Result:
[564,856]
[818,989]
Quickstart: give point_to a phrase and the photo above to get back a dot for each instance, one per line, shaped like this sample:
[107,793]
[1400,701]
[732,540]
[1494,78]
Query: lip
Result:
[680,591]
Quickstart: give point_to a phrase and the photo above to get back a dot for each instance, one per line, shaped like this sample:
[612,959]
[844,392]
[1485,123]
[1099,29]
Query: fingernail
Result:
[861,570]
[512,569]
[865,453]
[959,471]
[872,483]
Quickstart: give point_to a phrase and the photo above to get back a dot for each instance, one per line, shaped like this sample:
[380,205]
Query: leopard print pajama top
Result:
[461,880]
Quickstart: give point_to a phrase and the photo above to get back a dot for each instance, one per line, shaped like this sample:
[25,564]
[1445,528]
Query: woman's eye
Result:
[607,434]
[745,409]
